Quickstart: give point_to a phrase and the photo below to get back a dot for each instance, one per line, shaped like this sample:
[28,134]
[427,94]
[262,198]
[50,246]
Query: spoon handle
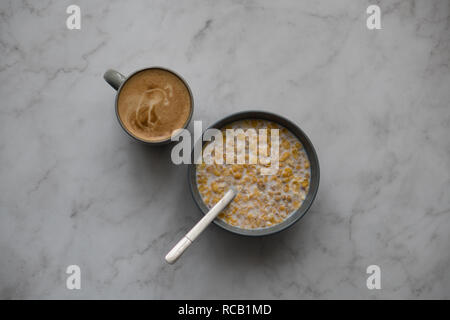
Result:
[187,240]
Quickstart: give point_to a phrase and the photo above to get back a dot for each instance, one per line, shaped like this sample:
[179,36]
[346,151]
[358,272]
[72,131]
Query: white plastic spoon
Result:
[187,240]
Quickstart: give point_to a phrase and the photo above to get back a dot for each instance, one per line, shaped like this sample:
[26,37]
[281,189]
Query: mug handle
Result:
[114,78]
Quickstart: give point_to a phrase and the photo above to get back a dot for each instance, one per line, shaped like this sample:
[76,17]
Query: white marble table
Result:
[74,189]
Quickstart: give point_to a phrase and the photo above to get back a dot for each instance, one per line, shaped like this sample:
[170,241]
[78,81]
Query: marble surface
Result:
[74,189]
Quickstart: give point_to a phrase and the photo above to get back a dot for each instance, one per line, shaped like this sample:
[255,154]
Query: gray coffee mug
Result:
[117,80]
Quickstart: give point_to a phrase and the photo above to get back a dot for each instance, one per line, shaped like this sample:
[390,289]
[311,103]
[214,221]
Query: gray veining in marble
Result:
[74,189]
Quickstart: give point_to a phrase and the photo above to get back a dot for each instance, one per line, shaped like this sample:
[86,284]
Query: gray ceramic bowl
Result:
[314,182]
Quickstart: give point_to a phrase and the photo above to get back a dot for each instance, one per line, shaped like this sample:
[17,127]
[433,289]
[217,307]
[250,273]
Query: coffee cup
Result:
[152,103]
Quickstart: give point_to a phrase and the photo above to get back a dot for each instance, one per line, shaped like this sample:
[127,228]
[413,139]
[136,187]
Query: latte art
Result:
[154,103]
[146,115]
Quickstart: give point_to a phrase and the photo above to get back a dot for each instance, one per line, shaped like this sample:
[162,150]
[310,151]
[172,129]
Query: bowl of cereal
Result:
[275,188]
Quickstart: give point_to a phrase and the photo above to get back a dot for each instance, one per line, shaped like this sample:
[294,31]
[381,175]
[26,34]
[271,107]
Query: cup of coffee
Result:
[151,103]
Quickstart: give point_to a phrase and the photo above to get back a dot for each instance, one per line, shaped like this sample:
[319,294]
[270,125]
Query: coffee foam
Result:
[154,103]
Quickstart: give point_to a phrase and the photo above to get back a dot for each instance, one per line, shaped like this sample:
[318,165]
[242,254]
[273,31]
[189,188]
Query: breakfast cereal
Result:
[263,200]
